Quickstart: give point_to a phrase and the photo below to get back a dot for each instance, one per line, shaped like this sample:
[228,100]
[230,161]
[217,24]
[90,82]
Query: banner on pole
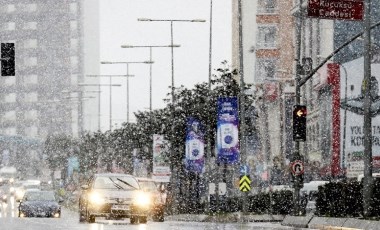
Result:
[161,160]
[228,131]
[194,145]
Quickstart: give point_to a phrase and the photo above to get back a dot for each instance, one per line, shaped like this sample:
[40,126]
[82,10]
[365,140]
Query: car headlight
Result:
[96,198]
[19,193]
[11,180]
[142,199]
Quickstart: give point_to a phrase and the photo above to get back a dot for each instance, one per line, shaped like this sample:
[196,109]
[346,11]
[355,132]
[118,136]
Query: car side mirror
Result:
[84,187]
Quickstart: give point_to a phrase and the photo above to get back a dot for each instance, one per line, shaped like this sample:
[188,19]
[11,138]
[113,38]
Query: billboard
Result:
[228,149]
[194,145]
[161,160]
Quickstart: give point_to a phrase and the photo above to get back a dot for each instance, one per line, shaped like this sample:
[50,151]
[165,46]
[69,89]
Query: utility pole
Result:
[367,183]
[296,154]
[243,155]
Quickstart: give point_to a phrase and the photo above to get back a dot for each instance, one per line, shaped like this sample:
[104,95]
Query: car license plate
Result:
[120,207]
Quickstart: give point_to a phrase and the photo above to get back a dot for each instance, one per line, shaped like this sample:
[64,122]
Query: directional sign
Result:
[336,9]
[245,183]
[297,168]
[244,170]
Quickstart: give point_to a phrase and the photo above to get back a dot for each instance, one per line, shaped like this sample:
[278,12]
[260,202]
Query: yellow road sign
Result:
[245,183]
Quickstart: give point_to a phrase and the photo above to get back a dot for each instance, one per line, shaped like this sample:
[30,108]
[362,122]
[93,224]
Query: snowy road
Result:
[9,221]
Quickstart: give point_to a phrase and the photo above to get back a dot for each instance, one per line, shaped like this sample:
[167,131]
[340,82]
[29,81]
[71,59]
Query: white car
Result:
[310,191]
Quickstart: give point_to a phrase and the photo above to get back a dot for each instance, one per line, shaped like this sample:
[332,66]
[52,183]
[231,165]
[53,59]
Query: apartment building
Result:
[49,40]
[268,58]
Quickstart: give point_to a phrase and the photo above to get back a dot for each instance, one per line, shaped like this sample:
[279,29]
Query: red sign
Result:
[336,9]
[297,168]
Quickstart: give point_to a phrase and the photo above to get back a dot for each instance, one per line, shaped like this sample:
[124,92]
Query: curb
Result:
[226,218]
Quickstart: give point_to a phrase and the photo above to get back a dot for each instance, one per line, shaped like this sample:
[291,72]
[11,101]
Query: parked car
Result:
[36,203]
[158,197]
[309,194]
[113,196]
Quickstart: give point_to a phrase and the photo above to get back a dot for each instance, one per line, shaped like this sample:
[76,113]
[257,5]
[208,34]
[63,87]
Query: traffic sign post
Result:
[245,183]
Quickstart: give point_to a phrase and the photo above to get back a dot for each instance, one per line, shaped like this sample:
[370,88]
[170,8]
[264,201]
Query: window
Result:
[10,98]
[9,81]
[9,26]
[267,36]
[73,8]
[30,43]
[267,6]
[10,8]
[31,131]
[31,97]
[266,68]
[30,61]
[30,26]
[31,79]
[74,61]
[10,115]
[30,7]
[74,43]
[73,25]
[10,131]
[31,114]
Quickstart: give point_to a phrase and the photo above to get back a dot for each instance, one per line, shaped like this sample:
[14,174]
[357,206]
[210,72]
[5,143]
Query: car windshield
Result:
[39,196]
[148,186]
[116,182]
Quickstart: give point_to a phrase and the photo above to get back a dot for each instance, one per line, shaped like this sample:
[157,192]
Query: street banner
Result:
[161,161]
[228,131]
[194,145]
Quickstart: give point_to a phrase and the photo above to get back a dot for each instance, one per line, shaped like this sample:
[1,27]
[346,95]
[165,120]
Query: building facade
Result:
[268,51]
[43,97]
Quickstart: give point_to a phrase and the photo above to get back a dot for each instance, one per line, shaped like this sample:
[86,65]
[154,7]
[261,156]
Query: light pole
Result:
[150,66]
[171,21]
[127,76]
[110,85]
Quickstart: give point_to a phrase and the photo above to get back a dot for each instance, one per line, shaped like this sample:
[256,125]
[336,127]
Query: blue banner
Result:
[228,131]
[194,145]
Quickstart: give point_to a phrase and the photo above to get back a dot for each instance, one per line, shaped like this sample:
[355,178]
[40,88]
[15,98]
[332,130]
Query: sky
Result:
[119,26]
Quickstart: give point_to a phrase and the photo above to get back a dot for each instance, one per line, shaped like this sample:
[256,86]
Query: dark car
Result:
[113,196]
[39,204]
[158,197]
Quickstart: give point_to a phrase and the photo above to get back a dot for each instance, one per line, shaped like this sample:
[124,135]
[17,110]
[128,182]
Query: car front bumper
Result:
[120,210]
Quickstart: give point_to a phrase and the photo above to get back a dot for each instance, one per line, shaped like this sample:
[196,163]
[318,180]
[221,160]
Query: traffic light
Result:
[7,59]
[299,123]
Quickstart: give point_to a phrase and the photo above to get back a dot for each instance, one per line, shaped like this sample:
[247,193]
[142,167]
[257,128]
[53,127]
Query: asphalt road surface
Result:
[9,220]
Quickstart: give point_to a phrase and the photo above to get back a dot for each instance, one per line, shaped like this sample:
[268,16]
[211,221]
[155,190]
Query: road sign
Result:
[298,168]
[336,9]
[244,170]
[245,183]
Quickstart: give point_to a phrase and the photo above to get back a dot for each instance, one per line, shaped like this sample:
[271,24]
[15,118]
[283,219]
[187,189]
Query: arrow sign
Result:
[299,113]
[245,183]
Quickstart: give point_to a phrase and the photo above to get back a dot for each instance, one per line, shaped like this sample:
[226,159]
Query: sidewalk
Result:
[226,218]
[308,221]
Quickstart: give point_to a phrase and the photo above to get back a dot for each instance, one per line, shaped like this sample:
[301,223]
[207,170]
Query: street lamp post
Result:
[171,21]
[127,76]
[150,66]
[110,85]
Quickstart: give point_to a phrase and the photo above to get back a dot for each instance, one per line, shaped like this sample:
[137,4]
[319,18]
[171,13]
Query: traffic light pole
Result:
[296,154]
